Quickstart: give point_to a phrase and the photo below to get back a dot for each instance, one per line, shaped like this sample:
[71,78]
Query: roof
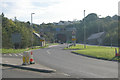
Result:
[96,36]
[39,36]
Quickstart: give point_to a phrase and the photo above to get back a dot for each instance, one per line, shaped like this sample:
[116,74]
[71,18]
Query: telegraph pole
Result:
[32,29]
[84,31]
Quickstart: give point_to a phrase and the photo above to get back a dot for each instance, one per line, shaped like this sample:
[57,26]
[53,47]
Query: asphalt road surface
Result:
[9,72]
[73,65]
[66,64]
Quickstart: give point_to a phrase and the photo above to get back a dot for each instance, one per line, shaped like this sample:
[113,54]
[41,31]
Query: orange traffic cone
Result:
[31,59]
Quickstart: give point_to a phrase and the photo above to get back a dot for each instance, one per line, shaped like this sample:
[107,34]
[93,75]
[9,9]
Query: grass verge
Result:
[95,51]
[27,49]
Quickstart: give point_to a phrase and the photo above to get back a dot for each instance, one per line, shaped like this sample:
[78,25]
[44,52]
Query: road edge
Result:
[93,57]
[28,68]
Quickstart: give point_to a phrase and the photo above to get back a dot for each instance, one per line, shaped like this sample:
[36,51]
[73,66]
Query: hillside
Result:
[93,24]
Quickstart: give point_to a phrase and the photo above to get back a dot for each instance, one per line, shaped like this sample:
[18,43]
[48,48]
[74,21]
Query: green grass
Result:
[95,51]
[75,47]
[22,50]
[49,44]
[14,50]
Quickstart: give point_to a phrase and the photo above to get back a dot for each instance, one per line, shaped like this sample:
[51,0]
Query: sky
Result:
[49,11]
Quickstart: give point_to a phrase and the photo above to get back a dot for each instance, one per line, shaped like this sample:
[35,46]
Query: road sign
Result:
[73,39]
[16,38]
[33,31]
[73,32]
[42,40]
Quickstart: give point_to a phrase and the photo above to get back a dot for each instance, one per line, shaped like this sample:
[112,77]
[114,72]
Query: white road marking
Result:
[20,54]
[48,52]
[10,54]
[65,74]
[16,55]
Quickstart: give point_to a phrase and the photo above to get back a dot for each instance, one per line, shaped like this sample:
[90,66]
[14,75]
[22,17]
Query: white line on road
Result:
[65,74]
[16,55]
[48,52]
[20,54]
[10,54]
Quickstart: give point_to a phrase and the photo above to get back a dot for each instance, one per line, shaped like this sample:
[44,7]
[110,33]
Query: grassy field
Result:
[95,51]
[22,50]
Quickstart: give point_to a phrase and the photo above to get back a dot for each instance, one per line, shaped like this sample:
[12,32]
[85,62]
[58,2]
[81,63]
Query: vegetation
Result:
[27,49]
[95,51]
[14,50]
[93,25]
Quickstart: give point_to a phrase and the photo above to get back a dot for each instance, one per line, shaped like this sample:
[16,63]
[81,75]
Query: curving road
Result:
[75,66]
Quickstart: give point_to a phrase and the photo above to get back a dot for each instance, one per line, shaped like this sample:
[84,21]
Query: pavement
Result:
[17,63]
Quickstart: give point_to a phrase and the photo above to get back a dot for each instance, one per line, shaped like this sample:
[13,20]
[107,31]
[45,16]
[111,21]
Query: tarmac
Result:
[17,63]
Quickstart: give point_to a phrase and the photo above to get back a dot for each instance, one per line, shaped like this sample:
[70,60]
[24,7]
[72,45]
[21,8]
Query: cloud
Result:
[56,10]
[22,9]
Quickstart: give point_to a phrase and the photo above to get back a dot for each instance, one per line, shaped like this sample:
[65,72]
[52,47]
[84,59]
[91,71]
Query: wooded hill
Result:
[93,24]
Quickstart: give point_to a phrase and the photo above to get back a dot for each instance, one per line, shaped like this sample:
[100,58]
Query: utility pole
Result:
[32,29]
[99,26]
[84,31]
[74,36]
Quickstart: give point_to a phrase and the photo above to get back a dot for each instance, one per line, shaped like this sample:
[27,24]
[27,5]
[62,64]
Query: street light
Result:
[84,31]
[31,17]
[98,26]
[32,29]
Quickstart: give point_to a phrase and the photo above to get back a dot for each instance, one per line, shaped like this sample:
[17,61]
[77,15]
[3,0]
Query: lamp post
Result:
[98,26]
[32,29]
[84,31]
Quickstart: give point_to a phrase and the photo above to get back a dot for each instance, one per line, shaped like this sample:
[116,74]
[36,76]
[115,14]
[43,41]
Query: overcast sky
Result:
[55,10]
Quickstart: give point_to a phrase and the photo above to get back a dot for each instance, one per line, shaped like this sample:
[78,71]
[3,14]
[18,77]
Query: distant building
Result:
[41,40]
[96,38]
[63,23]
[64,34]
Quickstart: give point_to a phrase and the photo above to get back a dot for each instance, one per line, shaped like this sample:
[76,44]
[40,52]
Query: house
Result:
[96,38]
[41,39]
[63,23]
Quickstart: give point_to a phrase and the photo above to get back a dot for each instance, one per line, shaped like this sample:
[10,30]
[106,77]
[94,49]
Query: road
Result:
[73,65]
[66,64]
[9,72]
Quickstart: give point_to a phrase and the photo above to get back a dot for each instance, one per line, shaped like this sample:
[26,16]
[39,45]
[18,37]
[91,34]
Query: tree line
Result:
[93,24]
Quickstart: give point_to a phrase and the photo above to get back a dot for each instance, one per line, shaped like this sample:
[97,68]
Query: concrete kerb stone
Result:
[93,57]
[29,68]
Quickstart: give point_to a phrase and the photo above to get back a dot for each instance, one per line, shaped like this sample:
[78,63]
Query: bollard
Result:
[24,62]
[26,58]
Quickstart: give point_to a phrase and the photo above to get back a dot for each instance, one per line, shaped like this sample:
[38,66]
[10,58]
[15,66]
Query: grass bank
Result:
[95,51]
[27,49]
